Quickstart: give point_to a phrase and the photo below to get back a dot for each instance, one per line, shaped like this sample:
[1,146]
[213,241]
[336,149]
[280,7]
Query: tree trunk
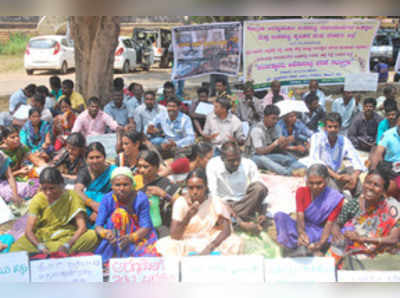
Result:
[95,39]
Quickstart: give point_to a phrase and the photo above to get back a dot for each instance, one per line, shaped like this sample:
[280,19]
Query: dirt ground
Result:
[12,80]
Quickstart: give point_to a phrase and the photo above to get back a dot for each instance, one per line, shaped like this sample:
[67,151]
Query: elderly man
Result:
[362,132]
[267,148]
[172,130]
[274,94]
[94,121]
[222,126]
[313,88]
[250,108]
[118,110]
[330,148]
[236,181]
[348,108]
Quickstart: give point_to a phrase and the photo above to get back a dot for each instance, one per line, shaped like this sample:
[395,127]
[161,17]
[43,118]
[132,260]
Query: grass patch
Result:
[10,63]
[16,45]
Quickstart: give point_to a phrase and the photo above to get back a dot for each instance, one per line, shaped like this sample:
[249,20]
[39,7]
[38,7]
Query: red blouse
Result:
[303,200]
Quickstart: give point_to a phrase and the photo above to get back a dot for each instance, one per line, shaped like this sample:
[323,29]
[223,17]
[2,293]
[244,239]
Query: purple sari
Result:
[315,216]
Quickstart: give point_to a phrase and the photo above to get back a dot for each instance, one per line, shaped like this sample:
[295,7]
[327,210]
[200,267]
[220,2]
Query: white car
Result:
[49,52]
[125,55]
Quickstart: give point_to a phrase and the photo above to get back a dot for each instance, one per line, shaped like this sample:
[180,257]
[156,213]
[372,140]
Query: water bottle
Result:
[155,211]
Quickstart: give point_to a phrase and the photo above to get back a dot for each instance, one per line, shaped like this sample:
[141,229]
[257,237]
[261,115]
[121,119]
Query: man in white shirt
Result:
[330,148]
[236,181]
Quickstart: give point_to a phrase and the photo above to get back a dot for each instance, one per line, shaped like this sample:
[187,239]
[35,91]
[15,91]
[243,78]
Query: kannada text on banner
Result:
[206,49]
[297,51]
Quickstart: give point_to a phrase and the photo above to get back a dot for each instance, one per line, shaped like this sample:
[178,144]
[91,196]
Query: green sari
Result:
[54,225]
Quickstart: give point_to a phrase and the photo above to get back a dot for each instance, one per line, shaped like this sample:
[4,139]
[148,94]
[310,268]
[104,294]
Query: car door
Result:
[131,53]
[66,52]
[71,49]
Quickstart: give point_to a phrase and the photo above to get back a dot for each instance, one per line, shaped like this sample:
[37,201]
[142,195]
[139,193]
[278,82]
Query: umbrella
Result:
[289,105]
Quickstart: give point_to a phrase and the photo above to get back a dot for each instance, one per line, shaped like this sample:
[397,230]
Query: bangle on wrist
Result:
[103,233]
[41,246]
[133,237]
[88,202]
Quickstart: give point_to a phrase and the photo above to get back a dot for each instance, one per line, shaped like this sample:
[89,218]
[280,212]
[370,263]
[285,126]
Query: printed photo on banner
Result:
[297,51]
[206,49]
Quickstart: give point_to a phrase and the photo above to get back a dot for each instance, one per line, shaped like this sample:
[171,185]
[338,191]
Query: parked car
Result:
[125,55]
[385,47]
[161,39]
[49,52]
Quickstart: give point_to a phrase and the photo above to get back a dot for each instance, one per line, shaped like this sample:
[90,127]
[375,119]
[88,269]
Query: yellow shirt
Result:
[76,100]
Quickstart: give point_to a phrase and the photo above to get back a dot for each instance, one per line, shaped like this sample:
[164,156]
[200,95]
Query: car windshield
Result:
[381,40]
[42,43]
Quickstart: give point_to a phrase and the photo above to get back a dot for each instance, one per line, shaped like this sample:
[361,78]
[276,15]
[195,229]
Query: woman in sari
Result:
[131,142]
[153,185]
[63,123]
[73,158]
[371,222]
[14,185]
[200,224]
[36,135]
[95,178]
[56,221]
[317,207]
[123,221]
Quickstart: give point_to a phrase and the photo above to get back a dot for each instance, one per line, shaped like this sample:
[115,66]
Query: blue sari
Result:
[35,141]
[315,217]
[99,187]
[8,240]
[108,212]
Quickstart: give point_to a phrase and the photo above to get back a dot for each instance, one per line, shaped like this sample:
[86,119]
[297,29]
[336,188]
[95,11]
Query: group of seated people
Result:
[182,182]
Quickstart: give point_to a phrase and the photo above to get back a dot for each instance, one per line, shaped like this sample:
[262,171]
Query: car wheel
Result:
[29,72]
[126,67]
[64,68]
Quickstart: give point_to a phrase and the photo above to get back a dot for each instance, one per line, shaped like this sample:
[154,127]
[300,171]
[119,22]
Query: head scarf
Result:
[124,171]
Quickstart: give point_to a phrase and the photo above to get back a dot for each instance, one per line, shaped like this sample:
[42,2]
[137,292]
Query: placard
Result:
[204,108]
[14,267]
[204,269]
[109,142]
[5,212]
[74,269]
[361,82]
[22,113]
[206,49]
[313,269]
[368,276]
[144,270]
[299,50]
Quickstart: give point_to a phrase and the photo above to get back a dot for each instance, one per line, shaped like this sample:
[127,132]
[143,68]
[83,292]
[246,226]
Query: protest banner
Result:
[206,49]
[248,269]
[312,269]
[74,269]
[361,82]
[296,51]
[14,267]
[143,270]
[368,276]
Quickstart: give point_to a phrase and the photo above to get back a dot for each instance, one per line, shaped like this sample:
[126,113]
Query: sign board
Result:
[368,276]
[74,269]
[206,49]
[141,270]
[5,212]
[361,82]
[248,269]
[14,267]
[297,51]
[108,140]
[313,269]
